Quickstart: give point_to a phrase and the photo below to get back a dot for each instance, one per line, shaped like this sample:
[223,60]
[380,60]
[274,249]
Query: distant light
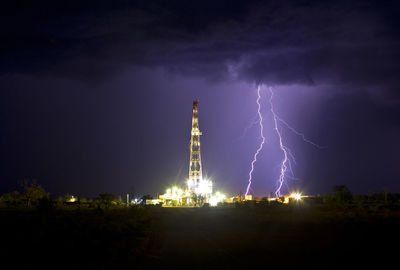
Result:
[296,196]
[72,199]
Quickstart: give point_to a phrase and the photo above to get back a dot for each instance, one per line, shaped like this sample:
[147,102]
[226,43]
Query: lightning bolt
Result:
[288,157]
[262,136]
[298,133]
[251,125]
[285,162]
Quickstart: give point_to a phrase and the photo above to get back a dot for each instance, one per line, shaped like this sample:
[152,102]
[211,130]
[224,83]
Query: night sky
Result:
[96,96]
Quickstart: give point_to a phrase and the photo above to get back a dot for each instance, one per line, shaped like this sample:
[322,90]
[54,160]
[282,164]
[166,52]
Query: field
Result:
[230,237]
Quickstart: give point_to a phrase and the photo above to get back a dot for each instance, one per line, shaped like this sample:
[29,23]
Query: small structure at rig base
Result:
[198,191]
[248,197]
[153,202]
[293,197]
[176,197]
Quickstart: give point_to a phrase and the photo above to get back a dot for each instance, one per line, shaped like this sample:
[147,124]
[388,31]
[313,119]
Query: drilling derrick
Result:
[200,188]
[199,191]
[195,168]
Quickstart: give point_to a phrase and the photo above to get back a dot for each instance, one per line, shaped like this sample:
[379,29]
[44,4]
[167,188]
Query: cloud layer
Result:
[296,42]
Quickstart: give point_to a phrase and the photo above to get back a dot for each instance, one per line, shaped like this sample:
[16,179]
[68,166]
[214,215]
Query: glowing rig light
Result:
[197,193]
[297,196]
[204,187]
[72,199]
[217,198]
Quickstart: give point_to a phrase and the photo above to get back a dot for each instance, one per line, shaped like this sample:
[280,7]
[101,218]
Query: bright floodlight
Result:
[217,198]
[296,196]
[204,187]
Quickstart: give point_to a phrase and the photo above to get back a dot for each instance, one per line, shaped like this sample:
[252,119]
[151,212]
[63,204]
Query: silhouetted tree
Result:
[360,200]
[341,195]
[32,192]
[106,199]
[83,200]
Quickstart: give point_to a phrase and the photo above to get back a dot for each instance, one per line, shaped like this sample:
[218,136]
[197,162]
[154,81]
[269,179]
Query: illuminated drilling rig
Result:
[195,168]
[198,190]
[202,188]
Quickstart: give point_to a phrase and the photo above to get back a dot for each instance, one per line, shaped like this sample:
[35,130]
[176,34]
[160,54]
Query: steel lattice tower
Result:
[195,167]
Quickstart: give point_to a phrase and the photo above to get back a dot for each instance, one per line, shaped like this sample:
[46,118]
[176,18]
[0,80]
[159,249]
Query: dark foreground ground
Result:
[198,238]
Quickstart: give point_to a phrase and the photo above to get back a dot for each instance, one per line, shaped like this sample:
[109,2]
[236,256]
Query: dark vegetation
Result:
[335,229]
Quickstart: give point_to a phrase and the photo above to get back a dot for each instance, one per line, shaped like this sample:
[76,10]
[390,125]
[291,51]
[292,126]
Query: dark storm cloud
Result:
[279,42]
[95,38]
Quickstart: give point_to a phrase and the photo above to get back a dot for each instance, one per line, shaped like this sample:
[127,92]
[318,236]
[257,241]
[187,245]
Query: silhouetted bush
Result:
[11,199]
[105,200]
